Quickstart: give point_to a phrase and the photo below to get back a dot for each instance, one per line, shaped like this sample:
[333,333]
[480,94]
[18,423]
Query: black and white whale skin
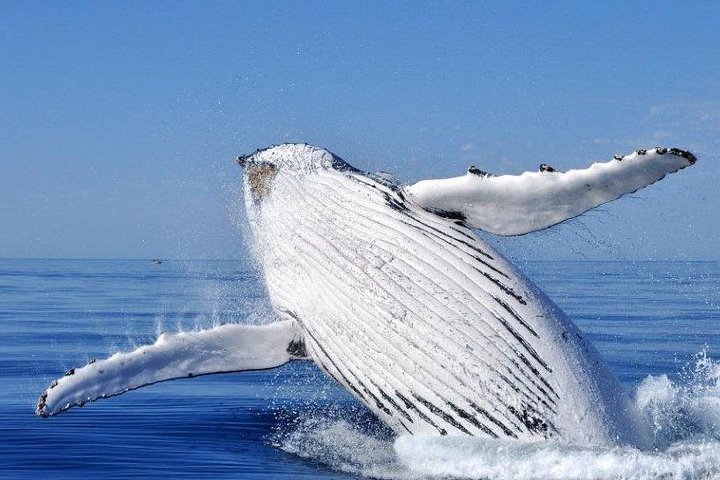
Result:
[389,291]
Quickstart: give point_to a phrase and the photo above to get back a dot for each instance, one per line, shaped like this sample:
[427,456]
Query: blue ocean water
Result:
[648,319]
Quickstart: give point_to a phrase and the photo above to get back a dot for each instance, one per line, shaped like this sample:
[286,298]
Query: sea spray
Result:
[340,445]
[688,409]
[684,416]
[474,458]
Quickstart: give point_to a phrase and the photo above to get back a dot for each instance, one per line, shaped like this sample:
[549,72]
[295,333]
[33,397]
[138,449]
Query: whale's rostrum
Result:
[387,288]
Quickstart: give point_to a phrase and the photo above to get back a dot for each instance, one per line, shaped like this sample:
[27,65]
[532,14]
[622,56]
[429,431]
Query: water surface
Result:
[648,319]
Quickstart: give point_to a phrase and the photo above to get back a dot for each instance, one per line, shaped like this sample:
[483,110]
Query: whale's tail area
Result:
[227,348]
[519,204]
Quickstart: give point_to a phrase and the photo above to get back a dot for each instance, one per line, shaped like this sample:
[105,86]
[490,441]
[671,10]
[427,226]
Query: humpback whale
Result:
[388,289]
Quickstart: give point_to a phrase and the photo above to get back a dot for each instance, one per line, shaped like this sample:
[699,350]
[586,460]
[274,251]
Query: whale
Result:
[389,289]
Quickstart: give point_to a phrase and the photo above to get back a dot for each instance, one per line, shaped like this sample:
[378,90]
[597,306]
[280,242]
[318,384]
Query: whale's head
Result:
[262,166]
[272,178]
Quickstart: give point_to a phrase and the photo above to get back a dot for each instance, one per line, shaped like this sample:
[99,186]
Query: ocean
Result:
[656,323]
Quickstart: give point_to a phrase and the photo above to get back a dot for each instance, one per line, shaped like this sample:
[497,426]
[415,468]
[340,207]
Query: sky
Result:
[119,121]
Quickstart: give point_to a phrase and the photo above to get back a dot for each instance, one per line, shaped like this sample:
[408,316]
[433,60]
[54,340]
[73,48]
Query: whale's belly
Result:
[426,324]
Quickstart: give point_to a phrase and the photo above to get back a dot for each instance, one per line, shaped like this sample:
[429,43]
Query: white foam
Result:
[685,411]
[684,417]
[341,446]
[476,458]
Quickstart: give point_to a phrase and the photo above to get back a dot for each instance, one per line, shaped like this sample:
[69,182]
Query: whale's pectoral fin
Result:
[519,204]
[228,348]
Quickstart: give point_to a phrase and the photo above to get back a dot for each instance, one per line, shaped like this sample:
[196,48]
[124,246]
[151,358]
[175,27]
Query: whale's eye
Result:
[260,179]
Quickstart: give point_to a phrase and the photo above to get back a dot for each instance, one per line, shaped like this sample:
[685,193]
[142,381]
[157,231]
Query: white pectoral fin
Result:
[519,204]
[228,348]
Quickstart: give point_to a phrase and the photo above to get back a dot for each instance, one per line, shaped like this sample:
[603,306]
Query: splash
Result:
[688,410]
[343,446]
[684,417]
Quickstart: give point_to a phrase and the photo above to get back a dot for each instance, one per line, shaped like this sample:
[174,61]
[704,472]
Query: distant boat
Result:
[156,261]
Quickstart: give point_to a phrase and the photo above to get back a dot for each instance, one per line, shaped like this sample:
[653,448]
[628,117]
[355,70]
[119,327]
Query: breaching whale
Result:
[387,288]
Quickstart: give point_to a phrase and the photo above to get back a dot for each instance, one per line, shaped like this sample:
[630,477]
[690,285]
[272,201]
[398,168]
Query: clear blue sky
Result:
[119,121]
